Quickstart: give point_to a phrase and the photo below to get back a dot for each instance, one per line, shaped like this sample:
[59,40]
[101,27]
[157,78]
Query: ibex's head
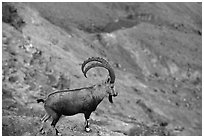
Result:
[110,89]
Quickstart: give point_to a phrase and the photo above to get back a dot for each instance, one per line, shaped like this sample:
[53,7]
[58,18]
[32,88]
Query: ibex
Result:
[83,100]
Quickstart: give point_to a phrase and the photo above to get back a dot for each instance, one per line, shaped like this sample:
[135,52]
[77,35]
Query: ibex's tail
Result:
[40,100]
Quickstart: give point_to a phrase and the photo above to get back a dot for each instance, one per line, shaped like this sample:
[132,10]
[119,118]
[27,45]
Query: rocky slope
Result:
[155,49]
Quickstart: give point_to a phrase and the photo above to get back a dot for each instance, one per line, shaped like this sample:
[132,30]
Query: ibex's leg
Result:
[55,118]
[43,117]
[41,130]
[87,115]
[43,120]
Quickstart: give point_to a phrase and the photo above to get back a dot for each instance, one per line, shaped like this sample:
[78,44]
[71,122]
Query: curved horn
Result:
[103,63]
[99,59]
[94,65]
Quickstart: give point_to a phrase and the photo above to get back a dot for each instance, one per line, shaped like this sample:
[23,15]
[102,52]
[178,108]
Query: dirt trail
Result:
[154,48]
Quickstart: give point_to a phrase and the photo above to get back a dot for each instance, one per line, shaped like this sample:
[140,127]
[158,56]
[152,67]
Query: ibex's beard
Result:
[110,98]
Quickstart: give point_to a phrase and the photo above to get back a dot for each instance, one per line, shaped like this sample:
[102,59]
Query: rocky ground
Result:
[154,48]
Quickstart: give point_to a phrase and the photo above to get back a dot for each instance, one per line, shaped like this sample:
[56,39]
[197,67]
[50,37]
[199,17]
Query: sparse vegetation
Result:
[155,49]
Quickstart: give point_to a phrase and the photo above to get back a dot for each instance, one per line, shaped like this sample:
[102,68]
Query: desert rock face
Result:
[154,48]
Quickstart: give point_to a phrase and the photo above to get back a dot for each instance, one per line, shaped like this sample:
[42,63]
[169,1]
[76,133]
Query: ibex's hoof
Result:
[87,129]
[59,134]
[42,131]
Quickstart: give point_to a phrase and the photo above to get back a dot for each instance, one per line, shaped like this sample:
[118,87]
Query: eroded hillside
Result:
[154,48]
